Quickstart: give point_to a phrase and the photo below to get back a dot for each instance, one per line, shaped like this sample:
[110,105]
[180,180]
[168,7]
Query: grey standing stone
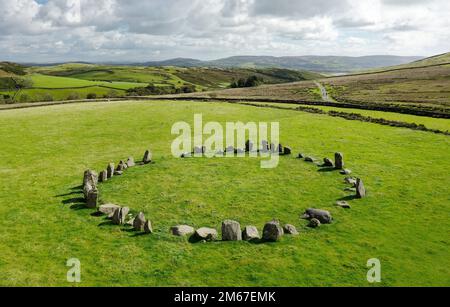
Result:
[265,146]
[280,149]
[273,149]
[323,216]
[148,229]
[314,223]
[250,233]
[108,209]
[350,180]
[287,151]
[309,159]
[120,167]
[198,150]
[360,189]
[118,173]
[207,234]
[110,170]
[92,198]
[300,156]
[249,146]
[272,231]
[328,163]
[182,230]
[290,230]
[230,149]
[345,172]
[147,157]
[231,231]
[130,162]
[103,176]
[120,215]
[339,160]
[139,222]
[91,177]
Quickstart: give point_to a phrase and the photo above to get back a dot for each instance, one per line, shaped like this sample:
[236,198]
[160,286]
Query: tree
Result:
[20,83]
[91,96]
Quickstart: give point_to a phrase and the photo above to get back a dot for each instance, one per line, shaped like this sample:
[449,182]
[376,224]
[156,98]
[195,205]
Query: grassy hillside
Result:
[424,87]
[67,81]
[402,222]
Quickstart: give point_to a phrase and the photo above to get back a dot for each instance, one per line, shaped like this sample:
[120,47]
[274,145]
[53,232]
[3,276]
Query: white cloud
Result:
[135,30]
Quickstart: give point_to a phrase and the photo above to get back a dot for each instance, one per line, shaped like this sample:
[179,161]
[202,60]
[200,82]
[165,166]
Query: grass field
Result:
[403,221]
[75,81]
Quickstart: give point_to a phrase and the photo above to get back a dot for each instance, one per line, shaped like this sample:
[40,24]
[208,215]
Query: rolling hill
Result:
[323,64]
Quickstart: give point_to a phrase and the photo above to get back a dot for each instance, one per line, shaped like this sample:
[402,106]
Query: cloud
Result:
[135,30]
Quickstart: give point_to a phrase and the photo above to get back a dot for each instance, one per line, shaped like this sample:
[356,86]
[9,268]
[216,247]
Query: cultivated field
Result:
[45,150]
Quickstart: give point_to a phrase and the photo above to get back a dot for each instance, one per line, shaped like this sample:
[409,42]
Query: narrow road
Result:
[324,93]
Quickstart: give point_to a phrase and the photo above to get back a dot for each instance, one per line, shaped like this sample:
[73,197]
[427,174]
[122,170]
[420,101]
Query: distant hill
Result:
[322,64]
[434,60]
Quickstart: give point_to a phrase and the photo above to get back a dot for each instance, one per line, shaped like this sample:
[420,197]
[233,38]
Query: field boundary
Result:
[344,105]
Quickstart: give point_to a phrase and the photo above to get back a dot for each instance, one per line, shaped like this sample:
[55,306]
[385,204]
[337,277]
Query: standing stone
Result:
[207,234]
[103,177]
[231,231]
[130,162]
[249,146]
[272,231]
[120,167]
[323,216]
[92,198]
[314,223]
[118,173]
[328,163]
[350,180]
[250,233]
[108,209]
[360,189]
[309,159]
[182,230]
[300,156]
[139,222]
[110,170]
[230,149]
[287,151]
[120,215]
[198,150]
[339,160]
[290,230]
[265,146]
[239,151]
[147,157]
[148,229]
[91,177]
[273,149]
[345,172]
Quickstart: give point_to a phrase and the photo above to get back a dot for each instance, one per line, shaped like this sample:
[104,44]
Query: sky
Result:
[43,31]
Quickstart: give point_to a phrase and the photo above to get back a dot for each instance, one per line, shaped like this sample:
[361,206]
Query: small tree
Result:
[91,96]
